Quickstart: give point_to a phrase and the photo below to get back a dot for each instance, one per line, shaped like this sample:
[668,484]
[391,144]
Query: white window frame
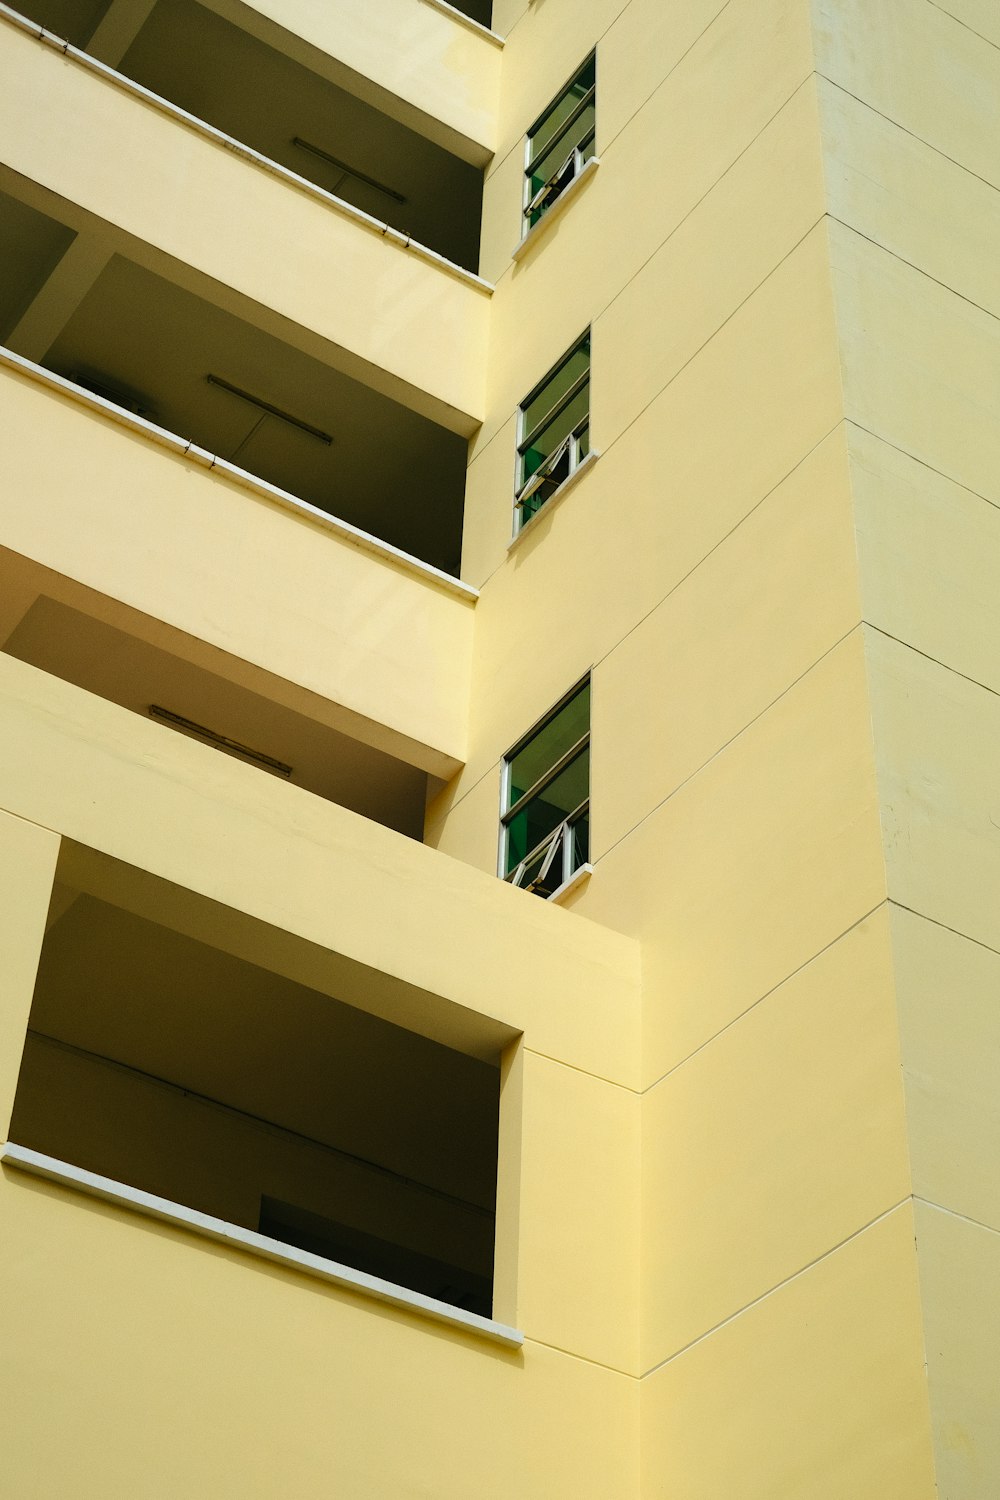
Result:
[570,446]
[572,164]
[560,842]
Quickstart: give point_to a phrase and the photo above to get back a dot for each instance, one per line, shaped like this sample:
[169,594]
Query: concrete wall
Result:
[909,107]
[105,1309]
[717,570]
[746,1200]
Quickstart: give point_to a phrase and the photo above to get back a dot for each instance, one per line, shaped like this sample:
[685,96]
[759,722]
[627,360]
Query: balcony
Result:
[148,574]
[134,179]
[416,62]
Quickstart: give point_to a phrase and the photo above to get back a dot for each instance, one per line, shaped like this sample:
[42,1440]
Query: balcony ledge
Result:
[363,540]
[285,174]
[237,1238]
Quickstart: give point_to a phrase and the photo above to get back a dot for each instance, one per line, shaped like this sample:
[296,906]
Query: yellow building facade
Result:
[556,427]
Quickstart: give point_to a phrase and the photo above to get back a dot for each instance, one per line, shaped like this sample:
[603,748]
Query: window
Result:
[545,826]
[560,143]
[554,430]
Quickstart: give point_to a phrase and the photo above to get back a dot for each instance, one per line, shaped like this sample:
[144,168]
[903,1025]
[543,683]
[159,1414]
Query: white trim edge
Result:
[54,1170]
[363,540]
[585,173]
[579,877]
[571,479]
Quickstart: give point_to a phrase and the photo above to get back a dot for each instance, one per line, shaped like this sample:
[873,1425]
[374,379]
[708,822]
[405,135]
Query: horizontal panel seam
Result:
[936,922]
[936,660]
[905,129]
[779,1286]
[561,1062]
[880,437]
[721,749]
[583,1358]
[794,973]
[953,1213]
[964,24]
[888,250]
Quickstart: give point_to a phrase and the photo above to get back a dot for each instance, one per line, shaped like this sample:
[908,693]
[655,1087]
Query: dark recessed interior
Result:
[476,10]
[220,73]
[303,752]
[175,1068]
[150,345]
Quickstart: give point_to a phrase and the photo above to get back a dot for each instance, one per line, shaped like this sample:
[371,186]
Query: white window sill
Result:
[567,484]
[585,173]
[120,1193]
[579,877]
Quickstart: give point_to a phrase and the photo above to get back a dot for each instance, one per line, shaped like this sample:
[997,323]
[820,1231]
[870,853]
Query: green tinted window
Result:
[545,825]
[554,431]
[568,725]
[548,395]
[561,142]
[552,124]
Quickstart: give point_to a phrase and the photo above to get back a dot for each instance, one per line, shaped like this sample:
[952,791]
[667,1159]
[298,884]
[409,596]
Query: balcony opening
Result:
[181,1070]
[162,352]
[173,689]
[261,96]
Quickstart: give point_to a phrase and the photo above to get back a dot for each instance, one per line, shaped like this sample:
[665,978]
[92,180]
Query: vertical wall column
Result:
[28,856]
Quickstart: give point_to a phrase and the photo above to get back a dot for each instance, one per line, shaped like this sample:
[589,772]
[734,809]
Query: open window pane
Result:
[553,390]
[560,142]
[542,814]
[531,875]
[552,122]
[544,749]
[580,834]
[548,440]
[545,829]
[553,419]
[580,136]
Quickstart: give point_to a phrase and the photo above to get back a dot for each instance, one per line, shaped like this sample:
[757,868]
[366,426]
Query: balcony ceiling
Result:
[221,74]
[388,470]
[123,987]
[124,669]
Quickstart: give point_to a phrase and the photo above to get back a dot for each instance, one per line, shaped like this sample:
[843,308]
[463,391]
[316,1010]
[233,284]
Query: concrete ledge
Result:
[363,540]
[304,184]
[169,828]
[535,233]
[568,483]
[53,1170]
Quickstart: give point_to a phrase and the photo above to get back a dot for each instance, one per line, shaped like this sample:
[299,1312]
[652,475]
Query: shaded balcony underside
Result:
[150,345]
[181,1070]
[186,53]
[152,682]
